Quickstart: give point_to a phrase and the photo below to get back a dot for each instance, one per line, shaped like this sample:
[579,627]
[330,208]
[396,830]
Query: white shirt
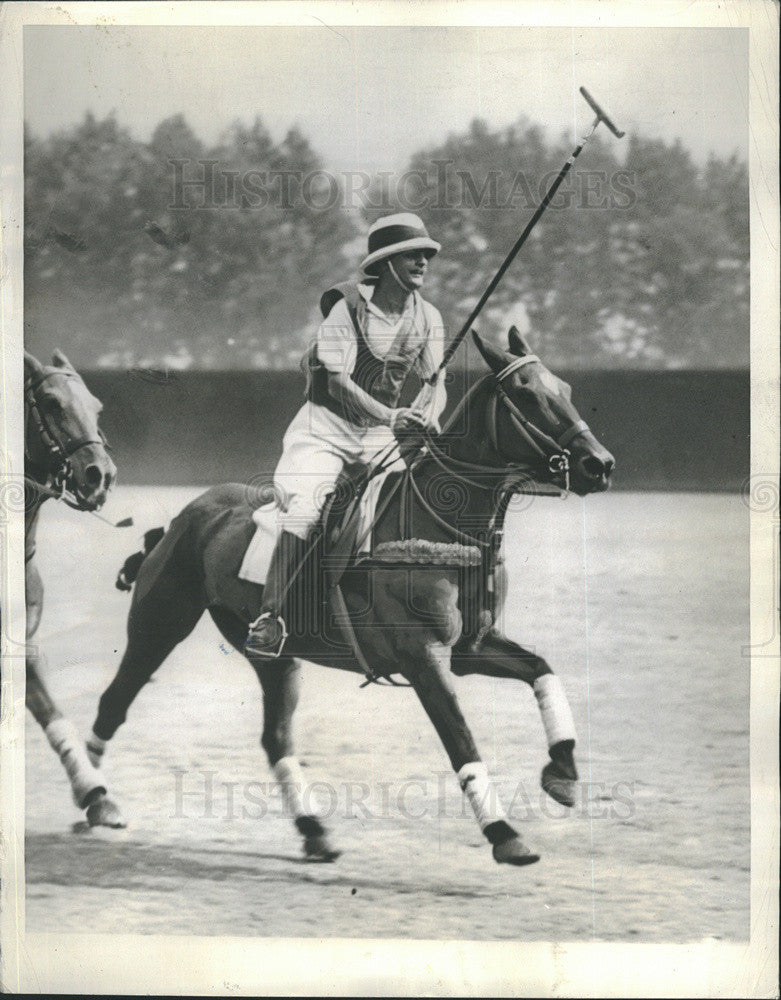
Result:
[337,343]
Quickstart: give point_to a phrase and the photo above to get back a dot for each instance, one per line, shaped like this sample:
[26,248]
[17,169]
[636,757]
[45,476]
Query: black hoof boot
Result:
[560,776]
[317,847]
[104,812]
[508,848]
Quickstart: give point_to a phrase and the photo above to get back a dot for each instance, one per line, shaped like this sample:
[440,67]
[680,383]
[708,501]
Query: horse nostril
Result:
[109,479]
[93,476]
[594,467]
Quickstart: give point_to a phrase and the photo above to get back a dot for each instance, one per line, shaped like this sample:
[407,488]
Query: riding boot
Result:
[268,632]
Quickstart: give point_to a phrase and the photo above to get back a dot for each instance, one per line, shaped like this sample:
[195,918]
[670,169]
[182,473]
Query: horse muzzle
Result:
[591,468]
[92,481]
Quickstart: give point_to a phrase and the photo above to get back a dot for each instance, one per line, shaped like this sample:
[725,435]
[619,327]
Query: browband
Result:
[515,364]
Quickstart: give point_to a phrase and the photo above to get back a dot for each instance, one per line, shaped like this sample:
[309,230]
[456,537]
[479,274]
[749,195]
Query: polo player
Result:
[375,333]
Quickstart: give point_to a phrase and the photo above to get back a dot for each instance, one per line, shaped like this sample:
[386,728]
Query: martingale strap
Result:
[343,619]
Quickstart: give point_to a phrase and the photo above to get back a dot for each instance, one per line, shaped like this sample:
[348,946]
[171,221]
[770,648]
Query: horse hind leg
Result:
[281,685]
[166,614]
[281,689]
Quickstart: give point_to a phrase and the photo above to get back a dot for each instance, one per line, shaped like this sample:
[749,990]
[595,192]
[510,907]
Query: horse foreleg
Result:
[434,688]
[37,698]
[36,695]
[281,683]
[497,656]
[86,781]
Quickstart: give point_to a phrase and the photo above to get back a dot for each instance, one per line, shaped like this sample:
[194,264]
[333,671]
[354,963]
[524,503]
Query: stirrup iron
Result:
[272,651]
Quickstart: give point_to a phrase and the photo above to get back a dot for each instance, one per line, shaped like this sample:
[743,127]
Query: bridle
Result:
[553,452]
[517,477]
[58,468]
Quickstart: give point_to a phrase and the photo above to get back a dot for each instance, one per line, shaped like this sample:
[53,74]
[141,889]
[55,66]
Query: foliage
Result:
[125,264]
[174,253]
[641,263]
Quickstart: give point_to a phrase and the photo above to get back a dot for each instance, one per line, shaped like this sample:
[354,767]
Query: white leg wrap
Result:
[288,773]
[556,714]
[96,747]
[482,793]
[66,743]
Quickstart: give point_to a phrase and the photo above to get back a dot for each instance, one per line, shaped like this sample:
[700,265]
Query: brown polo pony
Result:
[65,455]
[421,607]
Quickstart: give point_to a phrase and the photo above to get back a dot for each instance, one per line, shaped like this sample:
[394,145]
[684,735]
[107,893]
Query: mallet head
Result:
[602,115]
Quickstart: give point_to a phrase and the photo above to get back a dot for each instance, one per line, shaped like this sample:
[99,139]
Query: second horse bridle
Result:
[58,454]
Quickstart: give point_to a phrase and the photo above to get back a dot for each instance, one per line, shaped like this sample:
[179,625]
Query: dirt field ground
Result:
[639,602]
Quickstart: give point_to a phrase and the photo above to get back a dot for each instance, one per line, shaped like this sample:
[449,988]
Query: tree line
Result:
[174,253]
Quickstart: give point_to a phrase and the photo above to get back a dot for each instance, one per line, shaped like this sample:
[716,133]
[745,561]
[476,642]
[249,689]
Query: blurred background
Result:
[190,193]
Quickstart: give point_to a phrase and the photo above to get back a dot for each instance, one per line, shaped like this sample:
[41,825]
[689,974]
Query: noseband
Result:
[59,468]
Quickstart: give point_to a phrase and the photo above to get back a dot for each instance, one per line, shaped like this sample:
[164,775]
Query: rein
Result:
[552,452]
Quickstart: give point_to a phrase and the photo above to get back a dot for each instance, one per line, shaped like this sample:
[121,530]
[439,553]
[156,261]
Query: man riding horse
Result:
[375,333]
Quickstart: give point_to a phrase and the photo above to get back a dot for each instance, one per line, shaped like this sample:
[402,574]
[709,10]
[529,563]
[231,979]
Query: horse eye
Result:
[52,405]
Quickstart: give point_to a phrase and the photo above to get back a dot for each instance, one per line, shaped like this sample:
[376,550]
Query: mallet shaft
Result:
[455,343]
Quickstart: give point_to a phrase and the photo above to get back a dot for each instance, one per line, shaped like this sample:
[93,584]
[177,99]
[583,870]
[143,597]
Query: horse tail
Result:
[131,566]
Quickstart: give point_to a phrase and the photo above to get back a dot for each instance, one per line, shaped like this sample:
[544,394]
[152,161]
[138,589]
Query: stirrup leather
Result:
[253,646]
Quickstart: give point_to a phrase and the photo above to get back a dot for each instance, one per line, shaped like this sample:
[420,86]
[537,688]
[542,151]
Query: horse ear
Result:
[32,366]
[518,343]
[493,357]
[59,360]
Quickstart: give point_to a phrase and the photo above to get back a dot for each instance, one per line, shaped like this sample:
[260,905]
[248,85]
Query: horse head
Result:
[63,439]
[536,421]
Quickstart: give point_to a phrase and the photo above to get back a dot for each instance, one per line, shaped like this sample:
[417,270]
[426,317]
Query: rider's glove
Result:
[410,428]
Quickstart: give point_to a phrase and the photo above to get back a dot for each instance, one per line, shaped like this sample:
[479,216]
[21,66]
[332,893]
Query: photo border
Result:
[147,964]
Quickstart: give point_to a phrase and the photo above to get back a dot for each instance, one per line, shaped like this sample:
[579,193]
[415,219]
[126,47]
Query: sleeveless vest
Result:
[381,378]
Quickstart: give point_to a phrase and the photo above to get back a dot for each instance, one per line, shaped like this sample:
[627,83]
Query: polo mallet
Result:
[601,116]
